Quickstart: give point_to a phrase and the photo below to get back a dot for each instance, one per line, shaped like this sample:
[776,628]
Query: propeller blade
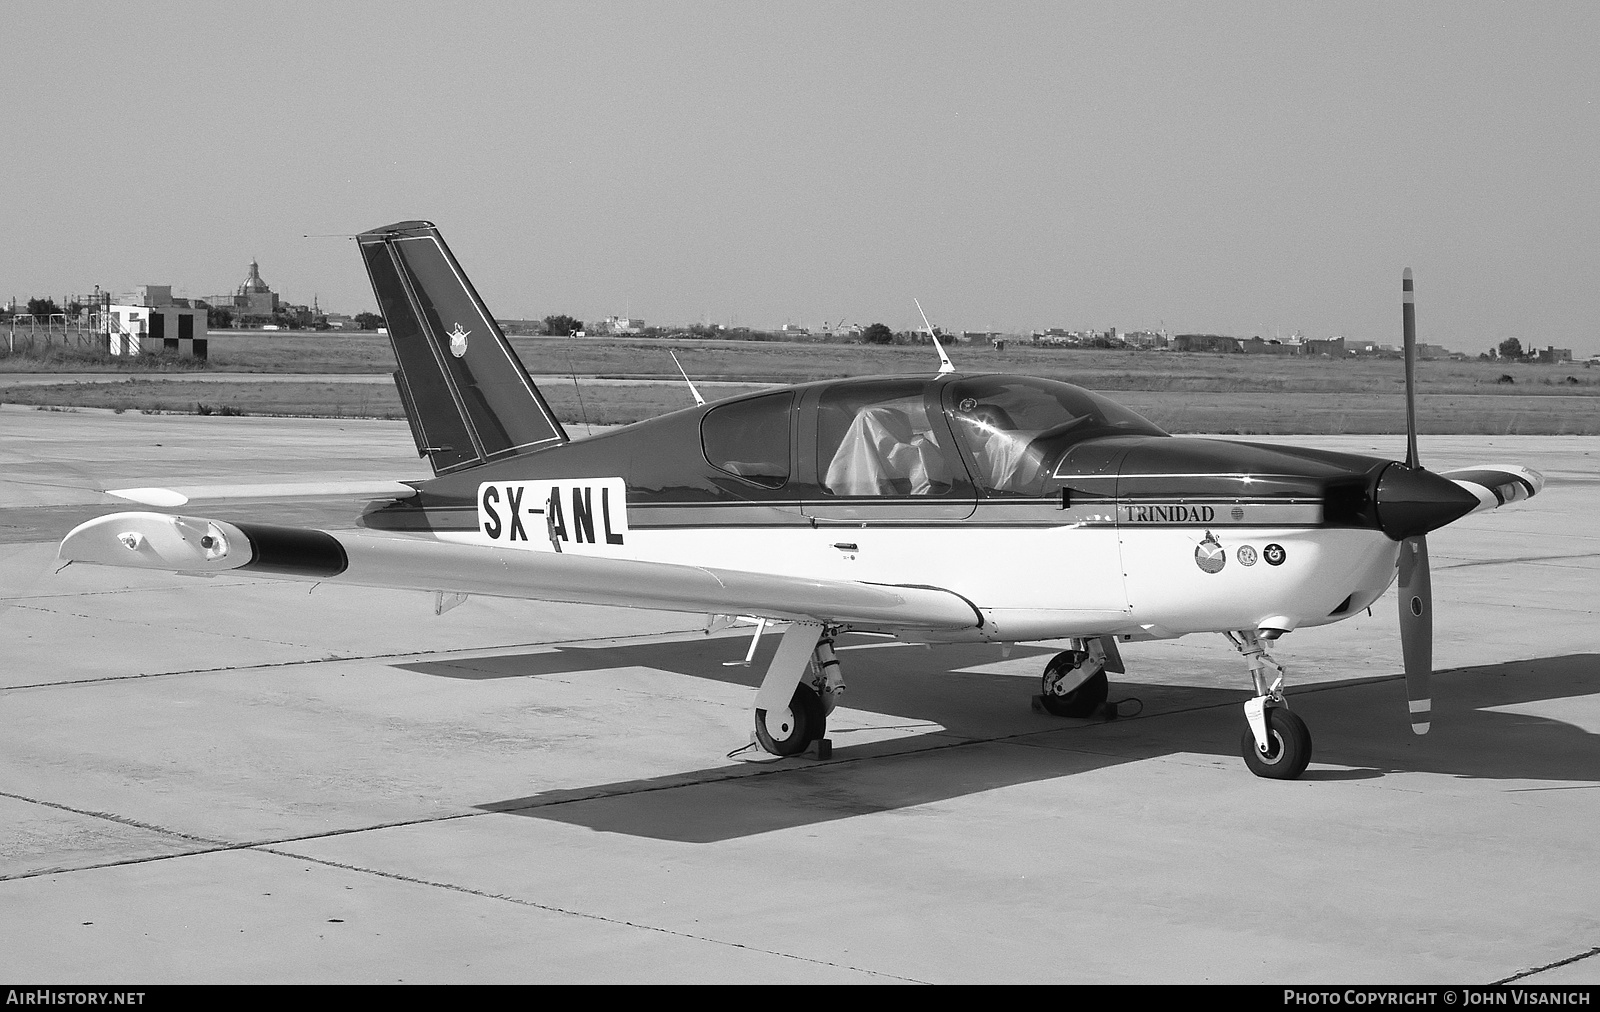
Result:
[1416,587]
[1416,629]
[1408,330]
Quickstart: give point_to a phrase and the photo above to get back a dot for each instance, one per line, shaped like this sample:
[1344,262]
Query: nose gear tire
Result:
[1288,746]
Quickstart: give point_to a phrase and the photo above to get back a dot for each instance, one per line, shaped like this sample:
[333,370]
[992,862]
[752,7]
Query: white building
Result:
[175,329]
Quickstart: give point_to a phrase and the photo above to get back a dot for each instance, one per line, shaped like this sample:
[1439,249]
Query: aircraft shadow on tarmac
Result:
[984,736]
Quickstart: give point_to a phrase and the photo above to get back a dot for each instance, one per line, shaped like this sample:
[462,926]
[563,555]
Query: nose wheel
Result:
[1276,743]
[1288,746]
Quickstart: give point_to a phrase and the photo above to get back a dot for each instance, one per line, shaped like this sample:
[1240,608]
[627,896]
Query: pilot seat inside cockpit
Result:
[889,449]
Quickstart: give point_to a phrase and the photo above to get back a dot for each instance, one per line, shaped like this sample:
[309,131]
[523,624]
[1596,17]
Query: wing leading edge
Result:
[197,545]
[1497,485]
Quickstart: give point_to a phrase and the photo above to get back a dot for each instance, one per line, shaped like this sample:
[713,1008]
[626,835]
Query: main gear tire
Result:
[788,731]
[1083,701]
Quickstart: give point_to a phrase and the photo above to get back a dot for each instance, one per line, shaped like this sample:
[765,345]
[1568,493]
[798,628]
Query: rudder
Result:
[465,392]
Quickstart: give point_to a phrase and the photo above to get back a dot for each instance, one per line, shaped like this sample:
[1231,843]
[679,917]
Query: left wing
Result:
[198,545]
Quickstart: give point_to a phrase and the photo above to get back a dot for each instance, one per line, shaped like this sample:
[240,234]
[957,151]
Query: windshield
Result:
[1016,428]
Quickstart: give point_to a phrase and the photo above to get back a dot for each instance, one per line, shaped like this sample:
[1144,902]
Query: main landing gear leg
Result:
[1277,743]
[802,686]
[1074,682]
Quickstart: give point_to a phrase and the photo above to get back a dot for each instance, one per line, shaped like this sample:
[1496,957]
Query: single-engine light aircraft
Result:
[939,509]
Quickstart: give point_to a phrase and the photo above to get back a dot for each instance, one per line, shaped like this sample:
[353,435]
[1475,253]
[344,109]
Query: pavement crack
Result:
[1519,559]
[417,655]
[1550,966]
[209,846]
[144,623]
[120,820]
[569,912]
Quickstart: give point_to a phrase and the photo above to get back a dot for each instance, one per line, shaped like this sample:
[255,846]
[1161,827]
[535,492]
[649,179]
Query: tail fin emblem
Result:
[458,341]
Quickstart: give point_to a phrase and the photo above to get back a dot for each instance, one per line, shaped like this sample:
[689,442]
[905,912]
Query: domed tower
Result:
[254,296]
[253,285]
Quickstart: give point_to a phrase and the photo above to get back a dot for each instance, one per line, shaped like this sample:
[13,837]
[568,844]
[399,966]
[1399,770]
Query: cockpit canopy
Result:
[1016,429]
[896,437]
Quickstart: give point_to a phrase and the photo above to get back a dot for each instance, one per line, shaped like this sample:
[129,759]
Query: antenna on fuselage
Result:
[697,398]
[582,411]
[945,364]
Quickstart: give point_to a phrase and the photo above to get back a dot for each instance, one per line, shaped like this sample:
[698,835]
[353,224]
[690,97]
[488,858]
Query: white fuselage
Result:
[1035,583]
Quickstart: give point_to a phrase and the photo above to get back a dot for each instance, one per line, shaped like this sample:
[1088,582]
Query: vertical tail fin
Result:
[466,393]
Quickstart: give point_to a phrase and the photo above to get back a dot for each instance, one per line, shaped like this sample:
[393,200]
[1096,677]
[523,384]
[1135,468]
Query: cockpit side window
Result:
[878,440]
[750,439]
[1015,429]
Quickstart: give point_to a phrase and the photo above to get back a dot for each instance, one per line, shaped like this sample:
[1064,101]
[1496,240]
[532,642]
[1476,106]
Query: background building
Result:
[252,304]
[1206,342]
[151,320]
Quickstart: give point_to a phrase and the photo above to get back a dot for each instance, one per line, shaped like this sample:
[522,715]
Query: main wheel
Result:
[1289,746]
[790,730]
[1083,701]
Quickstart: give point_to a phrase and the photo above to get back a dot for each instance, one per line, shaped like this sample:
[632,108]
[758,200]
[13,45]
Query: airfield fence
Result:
[84,331]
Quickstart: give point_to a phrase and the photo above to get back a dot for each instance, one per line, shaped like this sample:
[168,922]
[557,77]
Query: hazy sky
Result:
[1224,167]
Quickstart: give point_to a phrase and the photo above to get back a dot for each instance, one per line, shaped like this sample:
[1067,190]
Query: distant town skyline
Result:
[1233,168]
[255,287]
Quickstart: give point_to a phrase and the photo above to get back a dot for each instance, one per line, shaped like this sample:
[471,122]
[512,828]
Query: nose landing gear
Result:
[1277,743]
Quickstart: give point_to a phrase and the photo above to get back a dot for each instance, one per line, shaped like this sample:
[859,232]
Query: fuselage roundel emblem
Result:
[1209,554]
[458,341]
